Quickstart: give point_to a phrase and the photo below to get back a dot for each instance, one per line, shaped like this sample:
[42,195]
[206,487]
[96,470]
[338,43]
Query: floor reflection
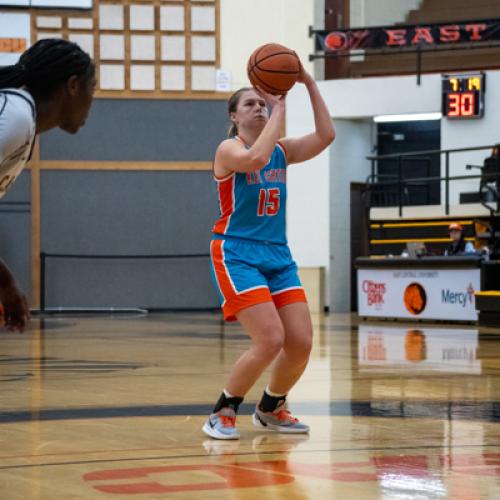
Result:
[114,406]
[417,349]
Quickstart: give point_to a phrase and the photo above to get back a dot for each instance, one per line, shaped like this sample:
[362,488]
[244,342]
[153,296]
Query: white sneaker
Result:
[280,420]
[221,425]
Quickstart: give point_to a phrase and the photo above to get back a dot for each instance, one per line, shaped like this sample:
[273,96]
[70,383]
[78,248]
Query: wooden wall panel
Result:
[191,19]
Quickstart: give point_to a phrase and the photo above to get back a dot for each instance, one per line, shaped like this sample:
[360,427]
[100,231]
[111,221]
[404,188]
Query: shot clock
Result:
[463,95]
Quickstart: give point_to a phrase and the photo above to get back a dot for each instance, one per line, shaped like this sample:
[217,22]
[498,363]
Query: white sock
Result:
[227,394]
[273,394]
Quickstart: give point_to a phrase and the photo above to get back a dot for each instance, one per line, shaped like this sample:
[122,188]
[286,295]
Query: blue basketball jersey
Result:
[253,205]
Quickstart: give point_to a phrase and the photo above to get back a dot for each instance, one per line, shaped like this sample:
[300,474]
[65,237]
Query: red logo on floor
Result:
[272,473]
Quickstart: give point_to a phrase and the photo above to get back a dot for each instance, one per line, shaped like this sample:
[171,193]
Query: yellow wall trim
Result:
[414,240]
[421,224]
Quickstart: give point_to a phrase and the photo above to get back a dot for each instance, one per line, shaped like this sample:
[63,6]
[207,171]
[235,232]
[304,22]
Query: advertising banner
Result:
[397,37]
[446,294]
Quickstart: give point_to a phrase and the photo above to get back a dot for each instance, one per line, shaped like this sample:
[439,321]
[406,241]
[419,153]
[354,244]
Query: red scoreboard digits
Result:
[463,96]
[461,105]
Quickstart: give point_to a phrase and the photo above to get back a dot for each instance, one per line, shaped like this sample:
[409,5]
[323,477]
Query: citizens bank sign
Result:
[374,293]
[446,294]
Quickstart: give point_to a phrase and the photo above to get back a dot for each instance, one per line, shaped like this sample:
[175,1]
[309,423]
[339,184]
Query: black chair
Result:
[489,185]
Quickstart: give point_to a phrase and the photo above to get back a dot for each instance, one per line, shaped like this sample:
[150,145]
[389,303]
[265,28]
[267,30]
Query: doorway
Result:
[405,137]
[359,234]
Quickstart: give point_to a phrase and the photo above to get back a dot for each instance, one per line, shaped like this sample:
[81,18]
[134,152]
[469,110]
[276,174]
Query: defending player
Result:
[52,85]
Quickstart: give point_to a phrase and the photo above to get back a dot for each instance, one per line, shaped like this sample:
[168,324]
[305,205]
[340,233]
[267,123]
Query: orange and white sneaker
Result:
[222,425]
[280,420]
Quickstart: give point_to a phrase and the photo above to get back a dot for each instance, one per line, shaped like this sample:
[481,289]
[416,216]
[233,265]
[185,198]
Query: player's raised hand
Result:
[304,76]
[272,100]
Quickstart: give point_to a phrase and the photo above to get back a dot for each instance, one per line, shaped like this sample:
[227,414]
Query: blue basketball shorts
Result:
[248,273]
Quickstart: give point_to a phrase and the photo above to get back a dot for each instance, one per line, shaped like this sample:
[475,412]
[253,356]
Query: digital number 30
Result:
[461,104]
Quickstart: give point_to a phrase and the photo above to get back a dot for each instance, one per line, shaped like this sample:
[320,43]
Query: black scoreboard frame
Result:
[463,95]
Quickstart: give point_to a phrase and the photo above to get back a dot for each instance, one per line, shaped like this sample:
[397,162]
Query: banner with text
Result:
[446,294]
[388,37]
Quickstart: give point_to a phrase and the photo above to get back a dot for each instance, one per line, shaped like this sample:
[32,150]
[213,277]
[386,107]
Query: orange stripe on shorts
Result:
[291,296]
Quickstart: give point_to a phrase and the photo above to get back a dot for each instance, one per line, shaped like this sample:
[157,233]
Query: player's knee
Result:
[300,349]
[274,345]
[273,339]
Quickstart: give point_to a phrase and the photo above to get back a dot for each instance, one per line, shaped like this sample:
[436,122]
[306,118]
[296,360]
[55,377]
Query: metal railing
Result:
[402,182]
[17,207]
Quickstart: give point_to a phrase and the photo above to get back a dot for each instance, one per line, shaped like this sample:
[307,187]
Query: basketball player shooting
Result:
[254,271]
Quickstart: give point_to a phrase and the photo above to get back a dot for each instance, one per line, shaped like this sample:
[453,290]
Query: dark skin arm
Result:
[16,310]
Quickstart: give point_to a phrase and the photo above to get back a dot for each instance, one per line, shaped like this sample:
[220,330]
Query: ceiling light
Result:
[407,117]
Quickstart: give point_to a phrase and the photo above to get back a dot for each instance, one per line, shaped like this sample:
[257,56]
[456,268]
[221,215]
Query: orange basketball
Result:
[274,68]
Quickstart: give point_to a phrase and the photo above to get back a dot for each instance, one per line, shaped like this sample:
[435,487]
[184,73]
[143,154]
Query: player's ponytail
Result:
[233,130]
[232,105]
[45,66]
[12,76]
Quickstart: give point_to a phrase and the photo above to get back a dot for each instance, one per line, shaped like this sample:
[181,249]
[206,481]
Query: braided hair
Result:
[45,66]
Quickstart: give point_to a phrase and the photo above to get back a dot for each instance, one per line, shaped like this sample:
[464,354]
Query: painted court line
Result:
[253,453]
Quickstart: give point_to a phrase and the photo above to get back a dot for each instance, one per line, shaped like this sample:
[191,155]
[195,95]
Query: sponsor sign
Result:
[446,294]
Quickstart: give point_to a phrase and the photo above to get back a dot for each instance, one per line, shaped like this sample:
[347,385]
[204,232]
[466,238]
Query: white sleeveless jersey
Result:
[17,133]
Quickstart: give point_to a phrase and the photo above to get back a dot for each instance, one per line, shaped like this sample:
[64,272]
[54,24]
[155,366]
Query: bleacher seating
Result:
[391,237]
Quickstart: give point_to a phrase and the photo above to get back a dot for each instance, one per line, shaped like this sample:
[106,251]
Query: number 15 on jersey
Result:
[269,202]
